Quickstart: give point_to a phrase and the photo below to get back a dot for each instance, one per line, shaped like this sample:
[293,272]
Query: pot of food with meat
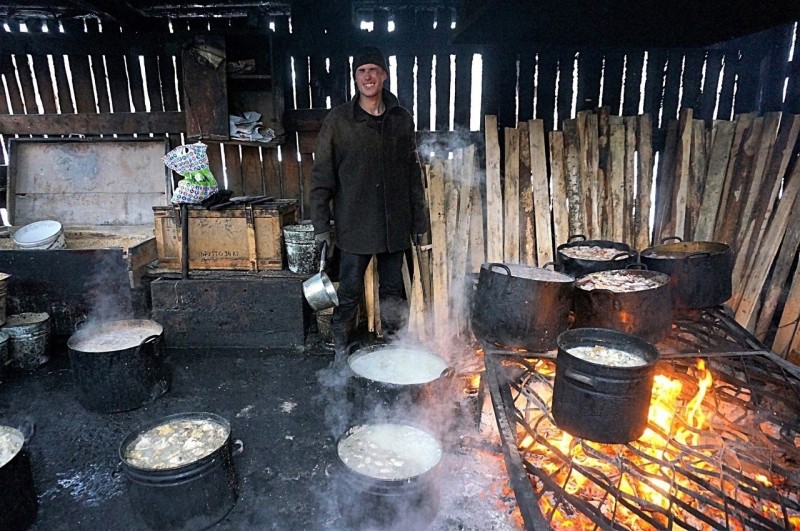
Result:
[580,256]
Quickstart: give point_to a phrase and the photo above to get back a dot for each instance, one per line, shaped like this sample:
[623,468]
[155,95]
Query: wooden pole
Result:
[511,197]
[494,194]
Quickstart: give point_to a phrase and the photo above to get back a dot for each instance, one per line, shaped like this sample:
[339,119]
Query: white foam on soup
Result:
[114,338]
[401,366]
[612,357]
[389,451]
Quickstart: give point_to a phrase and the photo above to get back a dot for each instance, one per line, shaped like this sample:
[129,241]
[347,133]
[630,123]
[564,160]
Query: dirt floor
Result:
[286,408]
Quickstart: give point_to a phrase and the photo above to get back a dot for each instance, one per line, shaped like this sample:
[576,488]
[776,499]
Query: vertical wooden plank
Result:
[742,129]
[747,70]
[680,194]
[775,67]
[577,206]
[566,62]
[439,244]
[644,145]
[233,168]
[7,71]
[26,83]
[301,81]
[629,201]
[153,83]
[100,83]
[588,138]
[786,336]
[715,177]
[558,175]
[318,81]
[290,168]
[215,162]
[82,83]
[601,188]
[62,84]
[692,77]
[118,83]
[252,178]
[442,91]
[616,181]
[272,172]
[463,95]
[424,80]
[546,87]
[505,87]
[698,167]
[494,194]
[633,82]
[612,81]
[166,73]
[792,101]
[654,84]
[462,238]
[527,223]
[590,68]
[477,237]
[44,82]
[665,182]
[511,197]
[725,103]
[206,94]
[672,83]
[541,193]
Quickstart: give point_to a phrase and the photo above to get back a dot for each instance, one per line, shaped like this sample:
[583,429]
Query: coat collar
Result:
[389,99]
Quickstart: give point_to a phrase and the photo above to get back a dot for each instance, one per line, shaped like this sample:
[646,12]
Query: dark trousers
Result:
[391,292]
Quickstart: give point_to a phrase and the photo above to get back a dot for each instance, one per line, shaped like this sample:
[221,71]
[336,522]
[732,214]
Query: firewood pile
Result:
[734,182]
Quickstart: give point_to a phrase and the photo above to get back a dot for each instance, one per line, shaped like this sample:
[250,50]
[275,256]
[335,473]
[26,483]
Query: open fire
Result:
[720,451]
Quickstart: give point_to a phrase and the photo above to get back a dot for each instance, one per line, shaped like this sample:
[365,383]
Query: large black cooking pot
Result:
[519,306]
[192,496]
[601,402]
[700,272]
[18,503]
[394,383]
[367,502]
[577,267]
[119,365]
[646,312]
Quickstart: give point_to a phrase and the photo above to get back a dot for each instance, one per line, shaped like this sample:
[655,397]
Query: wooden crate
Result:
[246,238]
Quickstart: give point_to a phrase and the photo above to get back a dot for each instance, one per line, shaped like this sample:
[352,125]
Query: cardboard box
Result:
[245,238]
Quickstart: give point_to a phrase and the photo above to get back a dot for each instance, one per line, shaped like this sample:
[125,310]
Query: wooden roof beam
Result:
[120,12]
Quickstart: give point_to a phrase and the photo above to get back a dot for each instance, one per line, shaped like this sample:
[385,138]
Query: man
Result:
[366,164]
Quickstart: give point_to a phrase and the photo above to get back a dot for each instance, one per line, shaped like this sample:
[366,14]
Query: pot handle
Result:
[687,260]
[625,254]
[147,341]
[448,372]
[556,266]
[638,265]
[27,428]
[238,447]
[668,238]
[582,378]
[495,264]
[575,237]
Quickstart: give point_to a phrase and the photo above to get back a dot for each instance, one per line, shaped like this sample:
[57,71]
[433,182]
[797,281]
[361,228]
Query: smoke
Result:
[108,295]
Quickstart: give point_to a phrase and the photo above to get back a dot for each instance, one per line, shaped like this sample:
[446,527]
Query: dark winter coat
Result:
[371,171]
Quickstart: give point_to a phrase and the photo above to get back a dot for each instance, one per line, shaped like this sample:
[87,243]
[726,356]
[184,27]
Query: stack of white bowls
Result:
[47,234]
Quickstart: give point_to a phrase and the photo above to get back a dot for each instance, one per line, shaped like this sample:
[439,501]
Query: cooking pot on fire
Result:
[700,272]
[319,290]
[396,375]
[387,476]
[118,365]
[631,300]
[519,306]
[18,504]
[603,384]
[580,256]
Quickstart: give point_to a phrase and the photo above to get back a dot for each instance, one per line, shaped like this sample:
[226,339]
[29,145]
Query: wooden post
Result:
[680,196]
[494,194]
[560,188]
[629,201]
[577,207]
[527,224]
[615,178]
[715,180]
[644,144]
[439,245]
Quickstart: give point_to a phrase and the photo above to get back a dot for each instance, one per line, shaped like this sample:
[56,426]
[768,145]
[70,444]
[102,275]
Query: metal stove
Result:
[723,454]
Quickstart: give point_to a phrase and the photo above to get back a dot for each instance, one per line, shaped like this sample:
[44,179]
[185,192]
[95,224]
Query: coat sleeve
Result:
[420,216]
[323,179]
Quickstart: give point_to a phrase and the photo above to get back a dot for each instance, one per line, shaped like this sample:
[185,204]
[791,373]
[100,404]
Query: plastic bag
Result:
[198,182]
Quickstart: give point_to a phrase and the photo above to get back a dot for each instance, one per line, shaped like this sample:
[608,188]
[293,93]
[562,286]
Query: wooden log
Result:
[715,180]
[644,145]
[541,193]
[577,207]
[743,123]
[371,296]
[511,198]
[698,168]
[92,123]
[494,194]
[746,310]
[779,276]
[616,183]
[560,189]
[603,176]
[417,301]
[629,180]
[527,223]
[439,245]
[786,335]
[681,188]
[477,237]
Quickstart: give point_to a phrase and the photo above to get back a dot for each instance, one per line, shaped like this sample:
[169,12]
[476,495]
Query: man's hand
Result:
[324,237]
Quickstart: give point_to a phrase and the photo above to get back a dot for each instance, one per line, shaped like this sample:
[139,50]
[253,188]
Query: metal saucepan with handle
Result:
[318,290]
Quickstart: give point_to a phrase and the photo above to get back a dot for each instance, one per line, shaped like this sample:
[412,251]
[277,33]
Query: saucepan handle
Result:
[582,378]
[322,256]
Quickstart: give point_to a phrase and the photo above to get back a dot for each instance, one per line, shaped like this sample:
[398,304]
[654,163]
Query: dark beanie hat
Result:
[369,55]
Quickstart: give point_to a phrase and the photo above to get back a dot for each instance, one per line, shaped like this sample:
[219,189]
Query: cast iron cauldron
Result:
[188,497]
[369,502]
[18,503]
[119,365]
[519,306]
[577,267]
[396,375]
[598,402]
[646,312]
[700,272]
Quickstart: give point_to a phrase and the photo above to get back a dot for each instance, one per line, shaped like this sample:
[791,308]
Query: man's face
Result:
[369,79]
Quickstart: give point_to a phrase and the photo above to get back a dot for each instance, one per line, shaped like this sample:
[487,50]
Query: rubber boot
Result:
[341,333]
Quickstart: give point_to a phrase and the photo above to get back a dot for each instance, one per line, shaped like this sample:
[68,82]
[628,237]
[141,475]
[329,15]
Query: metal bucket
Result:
[301,251]
[29,335]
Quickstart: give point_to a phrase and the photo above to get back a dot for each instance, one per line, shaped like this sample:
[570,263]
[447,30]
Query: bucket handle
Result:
[574,237]
[147,341]
[508,272]
[582,378]
[668,238]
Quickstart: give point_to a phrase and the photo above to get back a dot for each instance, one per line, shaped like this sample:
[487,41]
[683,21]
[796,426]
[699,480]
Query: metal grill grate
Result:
[737,469]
